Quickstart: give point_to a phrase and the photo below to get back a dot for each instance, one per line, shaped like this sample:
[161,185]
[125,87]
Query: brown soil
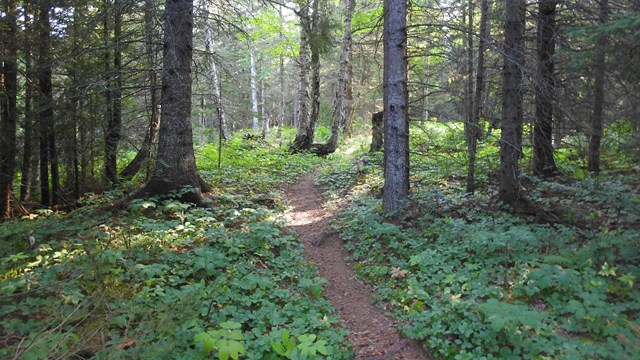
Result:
[373,335]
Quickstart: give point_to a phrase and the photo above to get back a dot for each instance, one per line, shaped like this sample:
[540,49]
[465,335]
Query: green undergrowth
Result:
[471,281]
[167,280]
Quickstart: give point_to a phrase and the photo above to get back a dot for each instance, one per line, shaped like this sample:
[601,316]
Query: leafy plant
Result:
[227,340]
[285,346]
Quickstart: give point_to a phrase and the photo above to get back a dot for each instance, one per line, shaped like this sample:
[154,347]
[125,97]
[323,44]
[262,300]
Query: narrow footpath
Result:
[373,335]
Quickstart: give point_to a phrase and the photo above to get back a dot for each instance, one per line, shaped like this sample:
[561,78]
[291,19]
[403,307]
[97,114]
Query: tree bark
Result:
[215,81]
[108,94]
[477,99]
[175,168]
[282,89]
[217,100]
[315,79]
[203,123]
[303,89]
[349,103]
[543,163]
[341,107]
[114,122]
[9,107]
[469,125]
[27,152]
[315,99]
[396,140]
[510,147]
[377,131]
[45,98]
[597,118]
[425,87]
[254,91]
[263,110]
[282,100]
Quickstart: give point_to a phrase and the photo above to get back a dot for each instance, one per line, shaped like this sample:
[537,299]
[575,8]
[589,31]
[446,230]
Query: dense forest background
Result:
[513,157]
[81,81]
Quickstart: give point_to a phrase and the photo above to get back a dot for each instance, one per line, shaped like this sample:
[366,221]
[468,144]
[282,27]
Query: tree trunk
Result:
[597,119]
[315,79]
[9,107]
[45,98]
[425,87]
[510,149]
[377,131]
[543,163]
[114,124]
[315,98]
[349,103]
[27,152]
[303,88]
[477,100]
[203,123]
[340,108]
[144,154]
[282,89]
[56,191]
[75,100]
[263,110]
[215,81]
[175,168]
[469,125]
[396,140]
[282,100]
[217,100]
[254,92]
[108,94]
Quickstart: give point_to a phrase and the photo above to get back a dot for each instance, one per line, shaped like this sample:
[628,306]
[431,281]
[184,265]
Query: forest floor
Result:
[373,335]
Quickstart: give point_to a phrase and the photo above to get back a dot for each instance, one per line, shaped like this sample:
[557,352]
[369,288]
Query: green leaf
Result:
[224,353]
[230,325]
[278,347]
[234,335]
[321,346]
[208,341]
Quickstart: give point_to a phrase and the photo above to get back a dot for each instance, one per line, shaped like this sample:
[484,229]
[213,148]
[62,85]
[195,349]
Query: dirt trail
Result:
[373,335]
